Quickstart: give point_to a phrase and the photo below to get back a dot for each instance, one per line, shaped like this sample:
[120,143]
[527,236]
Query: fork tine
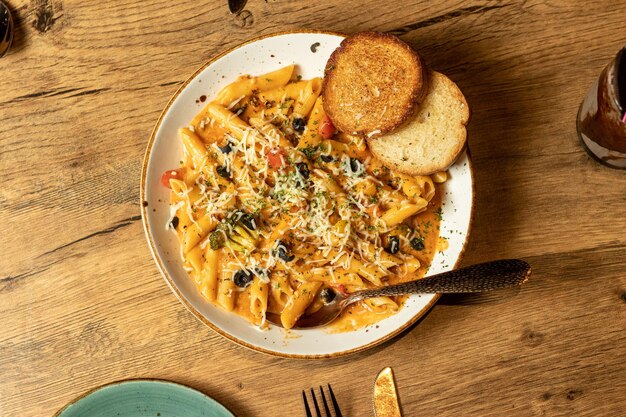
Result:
[317,407]
[306,405]
[334,400]
[326,409]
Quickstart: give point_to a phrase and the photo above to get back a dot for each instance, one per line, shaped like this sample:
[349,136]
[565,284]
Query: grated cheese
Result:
[257,187]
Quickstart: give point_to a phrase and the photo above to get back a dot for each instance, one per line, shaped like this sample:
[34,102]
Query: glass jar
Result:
[601,121]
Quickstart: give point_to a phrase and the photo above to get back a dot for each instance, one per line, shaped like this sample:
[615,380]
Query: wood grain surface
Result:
[82,303]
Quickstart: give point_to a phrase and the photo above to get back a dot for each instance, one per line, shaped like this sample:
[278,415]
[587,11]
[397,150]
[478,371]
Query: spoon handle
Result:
[487,276]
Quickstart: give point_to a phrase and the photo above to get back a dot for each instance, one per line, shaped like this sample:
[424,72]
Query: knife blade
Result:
[385,395]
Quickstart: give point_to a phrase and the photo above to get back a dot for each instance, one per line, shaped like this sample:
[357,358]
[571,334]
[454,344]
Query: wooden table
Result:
[82,303]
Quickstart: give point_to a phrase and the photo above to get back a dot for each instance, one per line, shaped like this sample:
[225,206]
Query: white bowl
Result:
[309,51]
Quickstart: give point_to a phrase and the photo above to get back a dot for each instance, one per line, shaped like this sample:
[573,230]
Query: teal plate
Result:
[144,398]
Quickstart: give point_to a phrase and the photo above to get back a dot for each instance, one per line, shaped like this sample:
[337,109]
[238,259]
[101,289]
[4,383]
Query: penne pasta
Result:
[307,97]
[196,231]
[426,185]
[311,136]
[290,91]
[381,304]
[280,292]
[194,147]
[226,288]
[439,177]
[299,301]
[274,214]
[195,259]
[399,213]
[258,300]
[245,85]
[209,274]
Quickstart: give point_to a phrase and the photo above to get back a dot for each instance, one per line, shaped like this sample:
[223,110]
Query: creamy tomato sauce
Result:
[359,315]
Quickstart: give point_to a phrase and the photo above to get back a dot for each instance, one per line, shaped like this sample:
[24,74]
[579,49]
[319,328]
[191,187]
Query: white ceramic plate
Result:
[164,149]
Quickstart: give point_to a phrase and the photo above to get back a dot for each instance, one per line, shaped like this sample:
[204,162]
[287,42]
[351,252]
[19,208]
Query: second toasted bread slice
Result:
[372,83]
[432,139]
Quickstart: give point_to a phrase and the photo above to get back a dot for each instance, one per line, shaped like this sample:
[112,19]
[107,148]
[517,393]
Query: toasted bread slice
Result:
[372,83]
[432,139]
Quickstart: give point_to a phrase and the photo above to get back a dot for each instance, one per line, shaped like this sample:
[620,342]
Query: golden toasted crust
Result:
[372,83]
[433,138]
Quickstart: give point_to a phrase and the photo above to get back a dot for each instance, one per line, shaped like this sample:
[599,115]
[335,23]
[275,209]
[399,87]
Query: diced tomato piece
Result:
[327,128]
[276,158]
[176,174]
[342,289]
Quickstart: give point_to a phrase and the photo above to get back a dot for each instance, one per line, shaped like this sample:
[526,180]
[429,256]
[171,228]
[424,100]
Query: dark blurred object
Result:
[6,29]
[601,118]
[235,6]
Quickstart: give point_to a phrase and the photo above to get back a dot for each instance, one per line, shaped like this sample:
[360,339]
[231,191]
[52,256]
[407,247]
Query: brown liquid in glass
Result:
[602,119]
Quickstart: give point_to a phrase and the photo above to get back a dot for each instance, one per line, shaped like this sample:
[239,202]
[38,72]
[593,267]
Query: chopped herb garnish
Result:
[310,151]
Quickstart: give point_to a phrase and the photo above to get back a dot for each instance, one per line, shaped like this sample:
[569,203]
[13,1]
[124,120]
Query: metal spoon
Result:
[6,29]
[487,276]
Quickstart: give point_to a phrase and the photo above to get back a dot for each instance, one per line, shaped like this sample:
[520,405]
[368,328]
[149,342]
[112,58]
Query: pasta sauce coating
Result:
[276,211]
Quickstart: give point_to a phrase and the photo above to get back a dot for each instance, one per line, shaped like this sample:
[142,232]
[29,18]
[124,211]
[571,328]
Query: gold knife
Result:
[385,395]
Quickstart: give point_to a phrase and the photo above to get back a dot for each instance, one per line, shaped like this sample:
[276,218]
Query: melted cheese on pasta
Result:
[271,216]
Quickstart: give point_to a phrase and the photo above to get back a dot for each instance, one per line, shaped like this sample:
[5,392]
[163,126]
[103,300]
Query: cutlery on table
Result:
[318,413]
[385,395]
[488,276]
[6,29]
